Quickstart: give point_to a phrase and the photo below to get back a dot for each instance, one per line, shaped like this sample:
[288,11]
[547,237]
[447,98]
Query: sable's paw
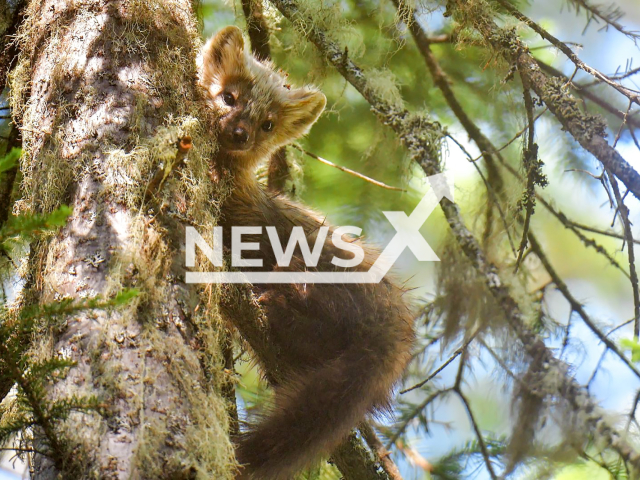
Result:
[241,474]
[272,298]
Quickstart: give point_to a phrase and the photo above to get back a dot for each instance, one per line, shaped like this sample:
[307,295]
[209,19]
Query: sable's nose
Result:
[240,135]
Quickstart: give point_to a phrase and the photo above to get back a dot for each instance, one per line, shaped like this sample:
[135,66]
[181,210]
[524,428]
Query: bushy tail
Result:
[313,414]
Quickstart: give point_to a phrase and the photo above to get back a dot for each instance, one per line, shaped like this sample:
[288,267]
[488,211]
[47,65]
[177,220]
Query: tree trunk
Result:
[103,90]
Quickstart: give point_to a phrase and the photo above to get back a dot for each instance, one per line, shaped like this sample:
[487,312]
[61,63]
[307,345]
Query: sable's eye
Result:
[228,98]
[267,126]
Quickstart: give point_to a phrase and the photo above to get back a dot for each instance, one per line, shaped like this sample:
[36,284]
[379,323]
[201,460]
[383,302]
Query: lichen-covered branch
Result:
[383,455]
[584,92]
[421,138]
[588,130]
[630,94]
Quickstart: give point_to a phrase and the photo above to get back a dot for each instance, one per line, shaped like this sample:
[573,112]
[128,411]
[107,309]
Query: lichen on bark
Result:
[101,91]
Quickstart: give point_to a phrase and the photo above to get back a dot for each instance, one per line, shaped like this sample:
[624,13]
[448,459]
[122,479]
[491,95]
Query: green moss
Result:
[384,85]
[329,17]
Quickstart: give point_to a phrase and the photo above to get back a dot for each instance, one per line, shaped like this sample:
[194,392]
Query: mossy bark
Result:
[102,90]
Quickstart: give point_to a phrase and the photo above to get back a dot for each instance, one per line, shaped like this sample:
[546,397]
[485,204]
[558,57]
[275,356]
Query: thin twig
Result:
[610,18]
[567,333]
[490,191]
[414,413]
[347,170]
[577,306]
[573,226]
[441,367]
[632,413]
[597,368]
[476,429]
[599,231]
[624,215]
[515,137]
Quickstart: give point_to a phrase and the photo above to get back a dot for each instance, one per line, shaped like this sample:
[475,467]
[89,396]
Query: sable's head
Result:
[257,111]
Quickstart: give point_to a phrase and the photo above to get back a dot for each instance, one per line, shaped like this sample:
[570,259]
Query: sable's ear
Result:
[301,111]
[223,55]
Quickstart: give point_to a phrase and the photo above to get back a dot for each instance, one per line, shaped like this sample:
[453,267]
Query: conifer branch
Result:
[584,92]
[609,15]
[485,144]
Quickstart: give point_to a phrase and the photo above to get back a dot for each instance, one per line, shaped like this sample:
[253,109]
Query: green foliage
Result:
[27,226]
[632,345]
[10,160]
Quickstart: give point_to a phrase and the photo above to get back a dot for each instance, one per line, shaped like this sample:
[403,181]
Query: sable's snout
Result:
[240,135]
[235,135]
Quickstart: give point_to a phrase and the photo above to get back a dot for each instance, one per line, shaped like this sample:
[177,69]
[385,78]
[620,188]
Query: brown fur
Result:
[341,346]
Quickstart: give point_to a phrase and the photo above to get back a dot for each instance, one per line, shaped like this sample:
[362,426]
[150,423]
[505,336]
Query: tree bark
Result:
[103,90]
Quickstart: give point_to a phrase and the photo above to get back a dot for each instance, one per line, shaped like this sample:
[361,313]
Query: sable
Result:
[341,347]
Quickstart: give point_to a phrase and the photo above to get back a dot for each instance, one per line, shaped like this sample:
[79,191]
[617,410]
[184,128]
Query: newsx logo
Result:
[407,236]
